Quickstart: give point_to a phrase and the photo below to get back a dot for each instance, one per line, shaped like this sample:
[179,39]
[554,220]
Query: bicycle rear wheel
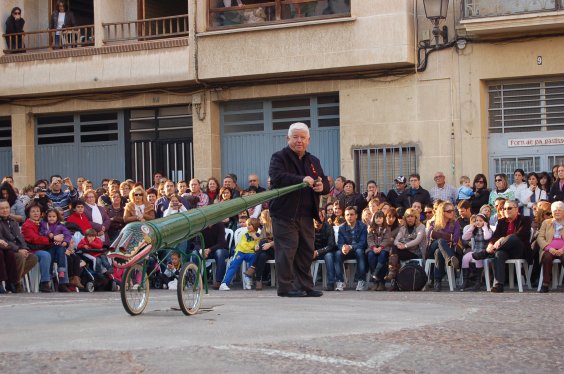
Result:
[190,288]
[135,289]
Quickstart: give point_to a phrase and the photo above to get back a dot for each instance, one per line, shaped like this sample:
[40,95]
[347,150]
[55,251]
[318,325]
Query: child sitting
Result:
[174,206]
[244,251]
[52,227]
[78,217]
[92,245]
[172,269]
[480,232]
[465,190]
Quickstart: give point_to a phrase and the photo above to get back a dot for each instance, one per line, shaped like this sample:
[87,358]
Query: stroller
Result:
[91,279]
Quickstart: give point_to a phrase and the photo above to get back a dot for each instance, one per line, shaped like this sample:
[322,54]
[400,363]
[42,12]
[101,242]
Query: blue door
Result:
[90,145]
[252,130]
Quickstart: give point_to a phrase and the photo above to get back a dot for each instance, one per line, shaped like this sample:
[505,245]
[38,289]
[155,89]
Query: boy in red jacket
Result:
[78,217]
[92,247]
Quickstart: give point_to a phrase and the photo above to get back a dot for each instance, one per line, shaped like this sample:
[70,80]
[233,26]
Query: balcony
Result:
[46,40]
[225,14]
[489,17]
[146,29]
[300,37]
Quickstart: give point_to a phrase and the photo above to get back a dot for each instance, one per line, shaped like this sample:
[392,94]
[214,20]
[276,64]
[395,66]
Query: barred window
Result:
[524,107]
[383,164]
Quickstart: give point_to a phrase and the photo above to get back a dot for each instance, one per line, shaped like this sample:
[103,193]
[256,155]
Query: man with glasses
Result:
[509,241]
[442,190]
[60,198]
[394,193]
[414,193]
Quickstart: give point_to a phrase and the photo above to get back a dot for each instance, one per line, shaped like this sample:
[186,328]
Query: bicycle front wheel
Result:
[135,289]
[190,289]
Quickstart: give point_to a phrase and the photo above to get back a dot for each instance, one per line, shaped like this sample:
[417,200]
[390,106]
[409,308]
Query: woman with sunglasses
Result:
[443,235]
[481,193]
[15,25]
[138,208]
[501,190]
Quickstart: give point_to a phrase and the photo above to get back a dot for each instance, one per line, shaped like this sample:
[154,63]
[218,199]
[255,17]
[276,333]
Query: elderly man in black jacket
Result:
[292,214]
[509,241]
[14,247]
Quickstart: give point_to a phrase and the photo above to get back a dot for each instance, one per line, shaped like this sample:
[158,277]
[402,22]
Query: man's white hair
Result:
[298,126]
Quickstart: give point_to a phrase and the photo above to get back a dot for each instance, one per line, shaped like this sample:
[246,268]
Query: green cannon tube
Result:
[137,240]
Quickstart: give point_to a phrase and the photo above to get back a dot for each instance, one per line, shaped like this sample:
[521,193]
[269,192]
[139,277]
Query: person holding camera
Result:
[61,199]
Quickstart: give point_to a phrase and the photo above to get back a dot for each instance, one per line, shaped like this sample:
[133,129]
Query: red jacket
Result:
[81,220]
[30,232]
[96,244]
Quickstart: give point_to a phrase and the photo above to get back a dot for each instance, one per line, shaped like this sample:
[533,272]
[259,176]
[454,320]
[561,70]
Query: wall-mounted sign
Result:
[535,142]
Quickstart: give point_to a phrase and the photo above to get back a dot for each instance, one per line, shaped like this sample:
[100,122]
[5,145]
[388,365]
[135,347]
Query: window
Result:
[383,164]
[524,107]
[236,13]
[488,8]
[5,132]
[507,165]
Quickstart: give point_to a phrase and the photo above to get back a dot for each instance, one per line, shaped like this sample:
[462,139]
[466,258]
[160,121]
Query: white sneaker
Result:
[224,287]
[361,285]
[247,283]
[340,286]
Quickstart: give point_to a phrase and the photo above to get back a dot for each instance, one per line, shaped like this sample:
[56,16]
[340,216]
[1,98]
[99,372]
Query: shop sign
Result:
[535,142]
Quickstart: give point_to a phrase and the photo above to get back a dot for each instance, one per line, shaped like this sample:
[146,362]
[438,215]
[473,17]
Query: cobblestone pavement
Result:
[257,332]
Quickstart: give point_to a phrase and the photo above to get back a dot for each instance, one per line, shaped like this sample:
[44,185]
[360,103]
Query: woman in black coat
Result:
[481,193]
[15,25]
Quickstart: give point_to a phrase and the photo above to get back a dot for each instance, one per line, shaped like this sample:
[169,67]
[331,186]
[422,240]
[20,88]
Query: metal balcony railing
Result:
[146,29]
[497,8]
[70,37]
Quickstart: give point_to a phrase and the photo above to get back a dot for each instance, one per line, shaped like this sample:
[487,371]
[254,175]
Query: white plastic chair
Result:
[555,267]
[228,241]
[518,265]
[315,269]
[449,271]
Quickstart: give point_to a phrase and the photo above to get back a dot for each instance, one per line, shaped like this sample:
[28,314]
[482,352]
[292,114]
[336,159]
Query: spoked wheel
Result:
[190,288]
[135,290]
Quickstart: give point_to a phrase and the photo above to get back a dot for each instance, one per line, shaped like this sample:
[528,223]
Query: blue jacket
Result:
[356,237]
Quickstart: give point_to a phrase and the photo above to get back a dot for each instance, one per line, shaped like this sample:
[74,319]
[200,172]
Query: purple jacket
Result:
[106,221]
[45,229]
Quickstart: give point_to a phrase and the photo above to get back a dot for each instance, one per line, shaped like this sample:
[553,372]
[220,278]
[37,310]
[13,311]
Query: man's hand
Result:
[3,243]
[67,181]
[346,249]
[206,252]
[24,252]
[315,254]
[318,185]
[490,248]
[309,180]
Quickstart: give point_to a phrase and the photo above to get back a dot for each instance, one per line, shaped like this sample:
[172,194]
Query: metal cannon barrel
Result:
[137,239]
[171,230]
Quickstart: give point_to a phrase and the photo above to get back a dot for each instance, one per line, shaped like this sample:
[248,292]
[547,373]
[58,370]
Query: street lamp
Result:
[435,11]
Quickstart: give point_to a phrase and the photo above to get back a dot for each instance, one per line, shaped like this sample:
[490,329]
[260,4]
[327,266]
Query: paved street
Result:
[257,332]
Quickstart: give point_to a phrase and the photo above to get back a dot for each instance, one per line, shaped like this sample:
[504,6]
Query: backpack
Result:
[411,277]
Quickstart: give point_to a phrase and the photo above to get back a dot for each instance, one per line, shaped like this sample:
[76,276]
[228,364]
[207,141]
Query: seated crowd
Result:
[73,226]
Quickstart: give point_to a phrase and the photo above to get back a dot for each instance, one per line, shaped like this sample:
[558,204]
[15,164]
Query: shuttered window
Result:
[5,132]
[383,164]
[524,107]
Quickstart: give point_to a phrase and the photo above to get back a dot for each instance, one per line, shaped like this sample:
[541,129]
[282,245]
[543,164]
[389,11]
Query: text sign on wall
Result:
[534,142]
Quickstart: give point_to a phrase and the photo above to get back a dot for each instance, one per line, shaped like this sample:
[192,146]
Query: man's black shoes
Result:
[301,293]
[294,293]
[313,293]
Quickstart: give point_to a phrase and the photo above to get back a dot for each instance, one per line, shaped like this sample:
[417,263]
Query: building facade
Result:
[201,88]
